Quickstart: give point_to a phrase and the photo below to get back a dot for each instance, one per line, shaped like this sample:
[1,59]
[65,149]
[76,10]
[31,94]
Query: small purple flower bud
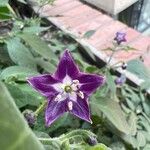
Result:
[30,117]
[120,37]
[124,66]
[120,80]
[92,141]
[141,58]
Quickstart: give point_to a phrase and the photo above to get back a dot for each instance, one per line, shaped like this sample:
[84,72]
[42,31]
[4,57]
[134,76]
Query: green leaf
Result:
[112,111]
[22,1]
[20,54]
[89,33]
[110,82]
[15,133]
[147,147]
[4,56]
[38,46]
[91,69]
[24,95]
[3,2]
[145,85]
[132,120]
[117,145]
[137,67]
[4,13]
[41,134]
[98,147]
[46,65]
[17,73]
[141,139]
[34,29]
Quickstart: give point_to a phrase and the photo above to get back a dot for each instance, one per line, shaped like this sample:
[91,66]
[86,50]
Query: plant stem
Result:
[40,108]
[110,58]
[11,10]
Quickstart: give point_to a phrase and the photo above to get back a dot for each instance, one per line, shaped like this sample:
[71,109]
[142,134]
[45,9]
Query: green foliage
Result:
[3,2]
[110,82]
[17,73]
[4,13]
[112,111]
[24,95]
[20,54]
[137,67]
[89,33]
[38,46]
[15,133]
[74,140]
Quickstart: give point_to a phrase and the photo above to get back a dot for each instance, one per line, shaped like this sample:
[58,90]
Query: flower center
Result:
[72,91]
[68,89]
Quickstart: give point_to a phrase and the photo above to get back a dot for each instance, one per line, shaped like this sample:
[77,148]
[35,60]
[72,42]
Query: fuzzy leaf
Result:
[24,95]
[17,136]
[3,2]
[4,12]
[137,67]
[17,73]
[38,46]
[112,111]
[46,65]
[110,82]
[89,33]
[34,29]
[20,54]
[141,139]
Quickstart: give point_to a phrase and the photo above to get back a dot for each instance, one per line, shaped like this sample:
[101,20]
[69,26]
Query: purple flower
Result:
[120,80]
[120,37]
[67,90]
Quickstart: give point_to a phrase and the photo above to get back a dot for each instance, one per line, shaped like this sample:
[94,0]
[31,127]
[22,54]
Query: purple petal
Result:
[90,82]
[66,66]
[120,37]
[42,84]
[54,110]
[81,109]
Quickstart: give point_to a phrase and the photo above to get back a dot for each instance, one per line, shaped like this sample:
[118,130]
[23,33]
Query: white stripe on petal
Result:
[73,96]
[61,97]
[67,80]
[58,87]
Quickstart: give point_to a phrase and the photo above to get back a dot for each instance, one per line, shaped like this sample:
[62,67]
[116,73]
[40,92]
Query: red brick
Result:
[84,14]
[56,4]
[141,43]
[92,24]
[59,9]
[147,60]
[126,56]
[131,34]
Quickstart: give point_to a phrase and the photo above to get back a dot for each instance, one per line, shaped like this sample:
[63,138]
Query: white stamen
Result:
[58,97]
[75,81]
[70,105]
[80,94]
[74,87]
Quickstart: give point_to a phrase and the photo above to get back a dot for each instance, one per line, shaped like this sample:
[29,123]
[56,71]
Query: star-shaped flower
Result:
[120,37]
[67,90]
